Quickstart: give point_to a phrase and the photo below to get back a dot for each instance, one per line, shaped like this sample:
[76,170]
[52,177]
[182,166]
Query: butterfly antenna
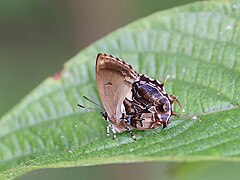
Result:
[81,106]
[93,102]
[84,107]
[194,117]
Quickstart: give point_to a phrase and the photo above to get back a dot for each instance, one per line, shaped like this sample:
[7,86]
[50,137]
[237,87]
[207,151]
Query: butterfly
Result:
[131,100]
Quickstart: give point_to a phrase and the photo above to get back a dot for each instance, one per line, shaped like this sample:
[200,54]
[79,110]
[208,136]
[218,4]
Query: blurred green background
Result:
[37,37]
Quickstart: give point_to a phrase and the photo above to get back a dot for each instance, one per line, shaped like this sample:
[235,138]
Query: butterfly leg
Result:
[175,99]
[133,136]
[110,126]
[125,124]
[108,130]
[114,132]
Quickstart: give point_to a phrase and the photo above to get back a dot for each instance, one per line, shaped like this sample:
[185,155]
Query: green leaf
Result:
[198,45]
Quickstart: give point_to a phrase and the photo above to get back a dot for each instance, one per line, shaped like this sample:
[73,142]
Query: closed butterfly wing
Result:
[114,80]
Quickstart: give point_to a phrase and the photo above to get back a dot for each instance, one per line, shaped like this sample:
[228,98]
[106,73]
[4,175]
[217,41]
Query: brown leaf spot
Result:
[57,76]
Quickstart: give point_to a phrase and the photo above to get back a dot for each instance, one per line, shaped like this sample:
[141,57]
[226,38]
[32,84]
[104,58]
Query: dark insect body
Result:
[131,100]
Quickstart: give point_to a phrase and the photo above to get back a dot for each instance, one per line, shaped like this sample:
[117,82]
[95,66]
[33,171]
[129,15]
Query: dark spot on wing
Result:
[108,84]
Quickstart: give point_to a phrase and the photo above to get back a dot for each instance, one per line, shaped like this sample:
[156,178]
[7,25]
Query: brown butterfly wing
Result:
[114,80]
